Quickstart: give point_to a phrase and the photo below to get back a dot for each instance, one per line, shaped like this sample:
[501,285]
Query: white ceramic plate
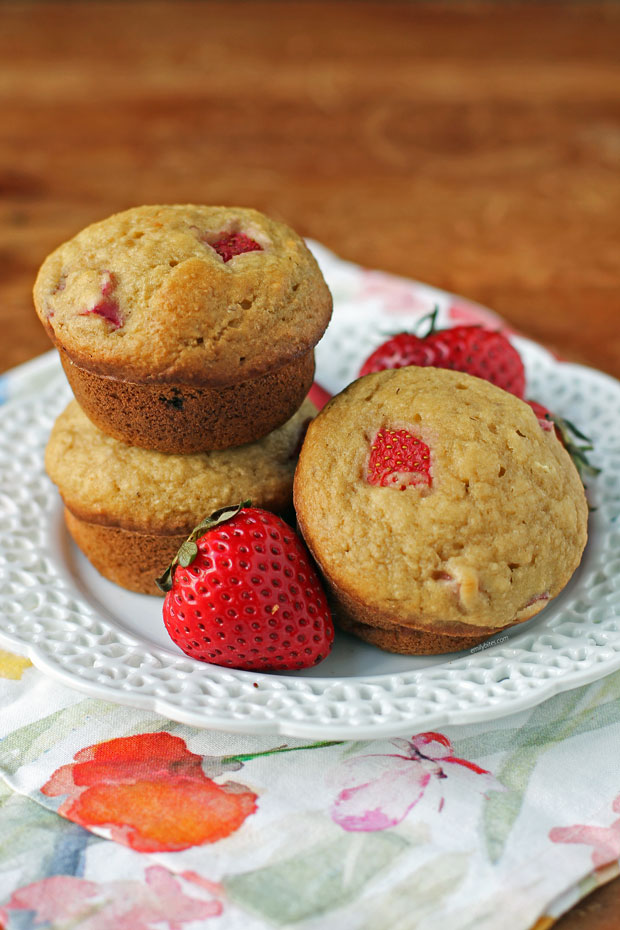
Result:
[112,644]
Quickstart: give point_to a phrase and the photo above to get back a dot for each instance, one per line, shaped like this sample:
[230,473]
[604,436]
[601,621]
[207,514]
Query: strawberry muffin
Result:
[185,328]
[129,509]
[438,509]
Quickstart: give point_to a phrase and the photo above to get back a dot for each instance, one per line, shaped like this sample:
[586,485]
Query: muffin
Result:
[129,509]
[185,328]
[438,509]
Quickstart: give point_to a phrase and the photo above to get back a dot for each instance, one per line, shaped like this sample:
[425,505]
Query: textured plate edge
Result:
[273,728]
[547,688]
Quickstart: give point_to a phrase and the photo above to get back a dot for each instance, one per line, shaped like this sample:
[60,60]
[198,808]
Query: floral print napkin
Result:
[116,817]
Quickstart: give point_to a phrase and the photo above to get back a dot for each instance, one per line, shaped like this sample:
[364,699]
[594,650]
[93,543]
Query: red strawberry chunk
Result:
[231,244]
[108,308]
[398,459]
[109,283]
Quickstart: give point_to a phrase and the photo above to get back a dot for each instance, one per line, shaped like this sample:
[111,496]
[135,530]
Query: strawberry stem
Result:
[189,550]
[431,318]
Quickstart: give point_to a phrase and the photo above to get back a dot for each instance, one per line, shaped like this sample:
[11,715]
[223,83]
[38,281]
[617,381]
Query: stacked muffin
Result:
[187,334]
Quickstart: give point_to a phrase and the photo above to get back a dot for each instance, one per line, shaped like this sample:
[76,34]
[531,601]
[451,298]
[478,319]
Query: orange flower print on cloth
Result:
[150,792]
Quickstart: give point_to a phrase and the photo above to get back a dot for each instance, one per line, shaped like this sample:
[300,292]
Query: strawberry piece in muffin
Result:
[398,459]
[107,307]
[231,244]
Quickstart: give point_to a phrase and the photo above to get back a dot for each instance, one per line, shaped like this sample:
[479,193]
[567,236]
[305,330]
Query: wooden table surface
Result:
[475,147]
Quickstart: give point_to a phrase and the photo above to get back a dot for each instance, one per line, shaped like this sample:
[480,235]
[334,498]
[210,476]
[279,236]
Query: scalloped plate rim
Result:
[511,702]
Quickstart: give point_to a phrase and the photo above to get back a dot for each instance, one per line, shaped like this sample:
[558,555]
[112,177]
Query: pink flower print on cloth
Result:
[397,295]
[468,314]
[69,901]
[604,840]
[382,788]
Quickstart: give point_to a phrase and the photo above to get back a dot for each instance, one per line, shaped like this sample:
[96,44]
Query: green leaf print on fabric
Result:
[36,842]
[328,875]
[405,905]
[602,710]
[28,743]
[558,719]
[5,794]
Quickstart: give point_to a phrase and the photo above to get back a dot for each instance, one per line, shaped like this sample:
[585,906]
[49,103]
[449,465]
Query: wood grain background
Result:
[475,147]
[472,146]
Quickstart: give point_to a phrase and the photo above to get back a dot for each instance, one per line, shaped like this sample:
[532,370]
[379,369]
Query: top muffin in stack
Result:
[185,328]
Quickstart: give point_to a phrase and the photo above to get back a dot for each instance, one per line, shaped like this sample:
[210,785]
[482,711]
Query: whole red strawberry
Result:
[476,351]
[242,593]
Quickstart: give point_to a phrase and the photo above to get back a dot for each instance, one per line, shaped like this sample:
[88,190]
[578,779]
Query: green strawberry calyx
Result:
[576,443]
[577,451]
[189,550]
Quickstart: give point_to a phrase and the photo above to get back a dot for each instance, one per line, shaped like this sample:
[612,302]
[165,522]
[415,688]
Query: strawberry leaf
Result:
[189,550]
[187,553]
[573,429]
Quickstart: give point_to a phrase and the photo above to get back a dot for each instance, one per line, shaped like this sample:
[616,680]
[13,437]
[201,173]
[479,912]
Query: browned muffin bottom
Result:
[131,560]
[181,418]
[381,630]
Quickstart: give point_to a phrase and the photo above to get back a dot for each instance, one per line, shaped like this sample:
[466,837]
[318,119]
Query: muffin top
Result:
[432,496]
[192,294]
[102,480]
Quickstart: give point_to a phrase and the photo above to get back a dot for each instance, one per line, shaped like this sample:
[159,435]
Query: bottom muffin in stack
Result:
[129,509]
